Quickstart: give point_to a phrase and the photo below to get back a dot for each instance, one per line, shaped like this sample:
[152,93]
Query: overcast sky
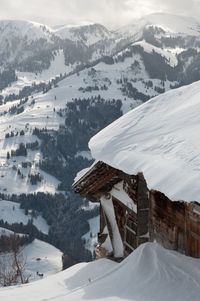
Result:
[112,13]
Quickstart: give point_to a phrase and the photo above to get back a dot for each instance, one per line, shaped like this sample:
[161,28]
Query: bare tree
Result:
[13,264]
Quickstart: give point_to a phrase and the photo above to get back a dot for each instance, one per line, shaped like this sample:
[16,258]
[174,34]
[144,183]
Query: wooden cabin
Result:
[130,214]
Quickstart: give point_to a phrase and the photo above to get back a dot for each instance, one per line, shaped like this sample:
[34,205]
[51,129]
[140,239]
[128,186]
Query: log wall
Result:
[193,230]
[175,225]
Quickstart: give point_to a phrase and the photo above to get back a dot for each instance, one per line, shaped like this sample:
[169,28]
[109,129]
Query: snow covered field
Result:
[150,273]
[43,258]
[40,258]
[11,213]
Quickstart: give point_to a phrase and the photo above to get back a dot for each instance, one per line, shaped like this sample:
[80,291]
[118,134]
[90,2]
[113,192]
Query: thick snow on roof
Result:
[160,138]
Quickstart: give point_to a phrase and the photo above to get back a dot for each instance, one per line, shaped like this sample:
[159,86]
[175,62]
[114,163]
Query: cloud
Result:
[113,13]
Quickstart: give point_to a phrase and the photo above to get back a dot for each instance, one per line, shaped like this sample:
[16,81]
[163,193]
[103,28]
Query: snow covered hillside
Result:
[150,273]
[11,213]
[88,34]
[39,256]
[41,259]
[36,48]
[30,46]
[124,66]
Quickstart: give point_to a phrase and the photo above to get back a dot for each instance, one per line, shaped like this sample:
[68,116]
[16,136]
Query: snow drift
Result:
[149,273]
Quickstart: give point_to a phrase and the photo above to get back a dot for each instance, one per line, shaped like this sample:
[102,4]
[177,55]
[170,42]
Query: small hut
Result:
[146,176]
[130,214]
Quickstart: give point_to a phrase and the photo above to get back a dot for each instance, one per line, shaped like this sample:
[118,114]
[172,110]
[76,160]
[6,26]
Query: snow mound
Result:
[150,273]
[160,139]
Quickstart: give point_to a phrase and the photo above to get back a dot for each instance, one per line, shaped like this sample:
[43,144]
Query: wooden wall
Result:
[175,225]
[193,229]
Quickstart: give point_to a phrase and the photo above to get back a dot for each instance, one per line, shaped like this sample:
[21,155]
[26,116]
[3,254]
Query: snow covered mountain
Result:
[30,46]
[160,46]
[87,34]
[21,40]
[170,24]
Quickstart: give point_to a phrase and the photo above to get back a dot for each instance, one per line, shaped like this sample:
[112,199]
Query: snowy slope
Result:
[169,54]
[57,67]
[38,256]
[11,213]
[9,168]
[30,46]
[150,273]
[43,258]
[111,80]
[21,40]
[24,29]
[88,34]
[43,114]
[160,139]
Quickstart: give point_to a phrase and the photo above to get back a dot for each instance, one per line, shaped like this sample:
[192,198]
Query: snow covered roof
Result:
[101,177]
[160,138]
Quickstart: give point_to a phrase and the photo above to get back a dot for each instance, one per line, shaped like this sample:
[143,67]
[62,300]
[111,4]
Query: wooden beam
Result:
[131,230]
[96,185]
[129,246]
[109,227]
